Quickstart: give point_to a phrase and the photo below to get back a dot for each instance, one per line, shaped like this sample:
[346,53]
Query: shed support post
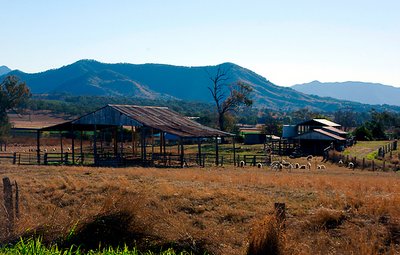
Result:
[234,150]
[38,146]
[115,139]
[133,142]
[152,144]
[143,136]
[121,135]
[199,150]
[81,147]
[95,144]
[73,146]
[216,151]
[182,153]
[61,148]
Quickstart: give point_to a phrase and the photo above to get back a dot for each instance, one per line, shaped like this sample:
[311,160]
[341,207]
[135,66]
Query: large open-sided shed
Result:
[144,122]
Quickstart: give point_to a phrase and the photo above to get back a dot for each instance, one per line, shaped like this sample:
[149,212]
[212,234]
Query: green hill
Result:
[157,81]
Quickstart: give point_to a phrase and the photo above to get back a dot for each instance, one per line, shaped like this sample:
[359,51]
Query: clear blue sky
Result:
[287,42]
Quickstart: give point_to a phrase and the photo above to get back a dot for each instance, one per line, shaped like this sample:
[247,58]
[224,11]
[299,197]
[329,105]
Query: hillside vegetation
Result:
[157,81]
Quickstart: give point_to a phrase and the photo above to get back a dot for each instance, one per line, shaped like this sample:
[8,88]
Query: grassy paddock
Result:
[214,210]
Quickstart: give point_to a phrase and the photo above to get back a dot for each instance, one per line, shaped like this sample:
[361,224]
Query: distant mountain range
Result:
[157,81]
[363,92]
[4,70]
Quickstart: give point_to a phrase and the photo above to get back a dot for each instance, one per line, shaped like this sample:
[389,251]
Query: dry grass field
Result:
[218,210]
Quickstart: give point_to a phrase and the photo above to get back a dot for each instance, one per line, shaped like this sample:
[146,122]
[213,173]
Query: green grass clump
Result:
[36,247]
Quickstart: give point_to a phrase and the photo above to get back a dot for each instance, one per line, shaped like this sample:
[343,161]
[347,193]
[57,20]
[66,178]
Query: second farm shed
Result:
[145,122]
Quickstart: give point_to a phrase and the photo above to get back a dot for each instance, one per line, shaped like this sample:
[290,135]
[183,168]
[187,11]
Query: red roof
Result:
[335,130]
[336,137]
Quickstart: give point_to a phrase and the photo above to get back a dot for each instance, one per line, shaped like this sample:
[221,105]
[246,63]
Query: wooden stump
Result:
[8,204]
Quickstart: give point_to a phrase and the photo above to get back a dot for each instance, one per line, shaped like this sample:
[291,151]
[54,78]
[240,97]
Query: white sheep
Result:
[351,165]
[309,157]
[309,165]
[259,165]
[302,167]
[321,167]
[54,149]
[297,165]
[340,162]
[241,163]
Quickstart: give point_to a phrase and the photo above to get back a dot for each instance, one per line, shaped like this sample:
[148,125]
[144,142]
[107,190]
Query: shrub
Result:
[266,238]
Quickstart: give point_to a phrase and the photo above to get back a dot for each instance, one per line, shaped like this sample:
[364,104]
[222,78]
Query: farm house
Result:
[129,135]
[316,135]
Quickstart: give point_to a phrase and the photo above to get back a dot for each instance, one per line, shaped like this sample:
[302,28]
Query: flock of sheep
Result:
[279,165]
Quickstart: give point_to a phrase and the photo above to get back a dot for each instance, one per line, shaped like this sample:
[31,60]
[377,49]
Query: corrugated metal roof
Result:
[160,118]
[318,122]
[327,122]
[336,137]
[335,130]
[166,120]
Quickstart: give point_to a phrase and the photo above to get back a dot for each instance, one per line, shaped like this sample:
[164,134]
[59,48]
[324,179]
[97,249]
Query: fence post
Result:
[16,200]
[383,165]
[45,159]
[254,160]
[222,160]
[8,204]
[14,158]
[204,160]
[373,165]
[363,163]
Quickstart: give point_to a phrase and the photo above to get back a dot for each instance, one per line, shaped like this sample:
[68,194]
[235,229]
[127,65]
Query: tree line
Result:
[232,105]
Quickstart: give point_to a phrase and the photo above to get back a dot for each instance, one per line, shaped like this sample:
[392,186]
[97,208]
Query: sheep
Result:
[302,167]
[351,165]
[54,149]
[297,166]
[275,165]
[45,150]
[69,149]
[340,162]
[259,165]
[309,165]
[321,167]
[241,163]
[309,157]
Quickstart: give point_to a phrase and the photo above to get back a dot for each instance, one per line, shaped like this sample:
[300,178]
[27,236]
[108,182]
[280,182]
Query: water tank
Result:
[289,131]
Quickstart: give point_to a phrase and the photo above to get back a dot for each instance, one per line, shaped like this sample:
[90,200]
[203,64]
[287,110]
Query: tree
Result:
[362,133]
[13,95]
[238,95]
[346,117]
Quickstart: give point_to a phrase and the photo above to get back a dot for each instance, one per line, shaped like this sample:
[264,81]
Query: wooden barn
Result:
[316,135]
[129,134]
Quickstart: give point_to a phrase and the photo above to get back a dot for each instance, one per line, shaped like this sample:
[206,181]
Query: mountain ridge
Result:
[4,70]
[362,92]
[155,81]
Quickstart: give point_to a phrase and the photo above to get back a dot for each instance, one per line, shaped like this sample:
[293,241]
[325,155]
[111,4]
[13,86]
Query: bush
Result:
[266,238]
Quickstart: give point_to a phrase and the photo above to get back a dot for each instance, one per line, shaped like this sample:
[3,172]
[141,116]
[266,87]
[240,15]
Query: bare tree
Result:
[228,97]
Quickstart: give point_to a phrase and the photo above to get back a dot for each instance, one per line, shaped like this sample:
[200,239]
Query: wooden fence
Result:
[388,148]
[362,163]
[126,159]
